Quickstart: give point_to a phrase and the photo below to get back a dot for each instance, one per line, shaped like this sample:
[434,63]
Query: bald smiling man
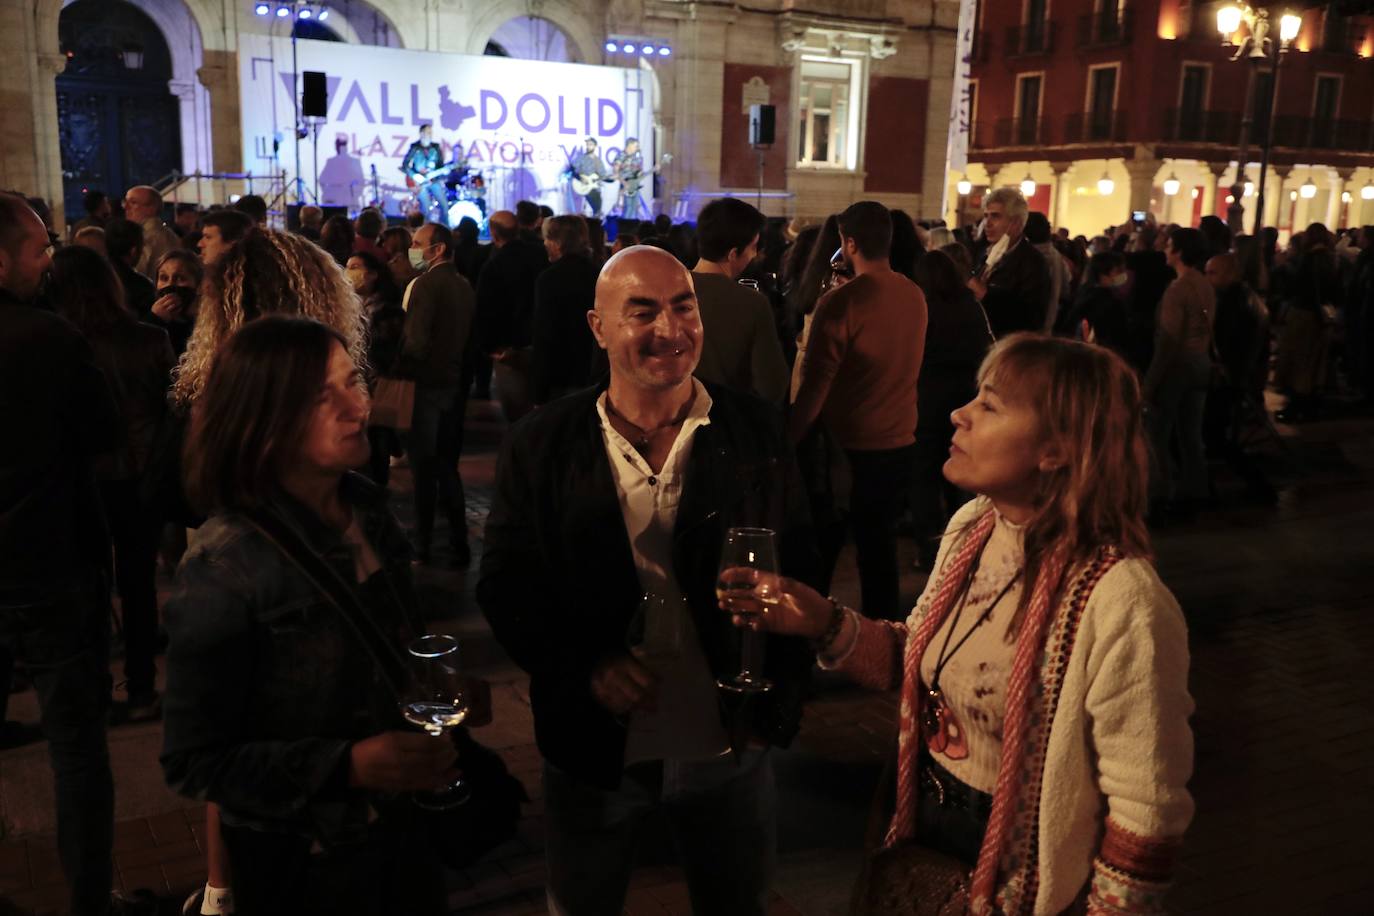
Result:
[598,577]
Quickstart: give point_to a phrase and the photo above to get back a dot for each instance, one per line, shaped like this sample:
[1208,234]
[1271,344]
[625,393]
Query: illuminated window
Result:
[826,110]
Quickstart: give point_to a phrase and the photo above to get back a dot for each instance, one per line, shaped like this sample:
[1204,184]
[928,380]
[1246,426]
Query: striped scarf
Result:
[1030,644]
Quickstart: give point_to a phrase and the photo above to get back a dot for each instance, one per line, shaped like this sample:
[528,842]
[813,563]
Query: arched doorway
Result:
[532,38]
[118,123]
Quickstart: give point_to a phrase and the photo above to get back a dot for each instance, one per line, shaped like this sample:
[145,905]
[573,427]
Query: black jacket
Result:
[267,687]
[505,295]
[137,360]
[563,341]
[58,414]
[1018,296]
[559,583]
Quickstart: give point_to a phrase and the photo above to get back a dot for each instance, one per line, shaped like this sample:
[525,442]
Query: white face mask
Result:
[417,258]
[1118,281]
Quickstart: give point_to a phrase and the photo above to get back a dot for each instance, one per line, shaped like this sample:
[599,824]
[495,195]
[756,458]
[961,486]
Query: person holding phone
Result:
[178,297]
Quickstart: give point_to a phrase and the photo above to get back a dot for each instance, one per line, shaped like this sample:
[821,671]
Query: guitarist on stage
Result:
[423,158]
[589,168]
[629,168]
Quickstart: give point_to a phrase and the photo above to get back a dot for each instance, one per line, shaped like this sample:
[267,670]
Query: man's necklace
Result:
[645,435]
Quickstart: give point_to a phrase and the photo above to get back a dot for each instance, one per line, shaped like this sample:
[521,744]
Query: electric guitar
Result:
[663,160]
[415,179]
[586,184]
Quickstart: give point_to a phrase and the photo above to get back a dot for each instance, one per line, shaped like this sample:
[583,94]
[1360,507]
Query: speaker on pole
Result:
[314,94]
[761,122]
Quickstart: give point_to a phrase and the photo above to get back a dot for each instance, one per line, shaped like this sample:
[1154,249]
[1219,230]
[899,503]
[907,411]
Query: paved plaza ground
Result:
[1279,602]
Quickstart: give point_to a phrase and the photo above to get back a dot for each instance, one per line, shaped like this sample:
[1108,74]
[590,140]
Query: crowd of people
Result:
[1016,401]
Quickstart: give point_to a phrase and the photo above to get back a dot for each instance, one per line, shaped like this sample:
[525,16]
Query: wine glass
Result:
[654,636]
[436,700]
[748,564]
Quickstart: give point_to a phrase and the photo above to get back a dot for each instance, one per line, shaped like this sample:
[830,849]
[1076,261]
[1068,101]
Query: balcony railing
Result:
[1352,136]
[1030,38]
[1008,132]
[1199,126]
[1105,29]
[1095,127]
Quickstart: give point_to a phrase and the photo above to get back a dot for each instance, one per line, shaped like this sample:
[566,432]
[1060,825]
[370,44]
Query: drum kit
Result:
[467,197]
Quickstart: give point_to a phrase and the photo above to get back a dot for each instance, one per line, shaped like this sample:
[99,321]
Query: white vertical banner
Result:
[517,124]
[960,102]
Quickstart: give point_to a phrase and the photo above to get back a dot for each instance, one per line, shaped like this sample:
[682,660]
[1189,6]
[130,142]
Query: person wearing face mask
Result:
[1100,314]
[385,325]
[178,284]
[440,307]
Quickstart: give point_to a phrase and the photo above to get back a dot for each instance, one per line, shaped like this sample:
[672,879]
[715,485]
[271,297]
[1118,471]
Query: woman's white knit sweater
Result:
[1113,804]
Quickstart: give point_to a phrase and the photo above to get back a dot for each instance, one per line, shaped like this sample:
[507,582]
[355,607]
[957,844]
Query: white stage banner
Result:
[519,124]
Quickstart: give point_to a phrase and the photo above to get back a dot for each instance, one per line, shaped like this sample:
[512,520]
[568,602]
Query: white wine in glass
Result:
[748,564]
[436,700]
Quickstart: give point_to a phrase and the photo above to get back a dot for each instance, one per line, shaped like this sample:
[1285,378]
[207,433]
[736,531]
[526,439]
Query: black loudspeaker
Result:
[761,122]
[314,95]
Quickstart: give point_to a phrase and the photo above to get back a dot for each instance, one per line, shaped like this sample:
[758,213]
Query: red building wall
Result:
[894,153]
[739,166]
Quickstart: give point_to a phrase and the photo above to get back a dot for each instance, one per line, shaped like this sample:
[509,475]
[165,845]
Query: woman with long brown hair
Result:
[1044,740]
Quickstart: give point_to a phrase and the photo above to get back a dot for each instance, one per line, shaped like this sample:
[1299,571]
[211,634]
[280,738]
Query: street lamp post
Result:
[1258,47]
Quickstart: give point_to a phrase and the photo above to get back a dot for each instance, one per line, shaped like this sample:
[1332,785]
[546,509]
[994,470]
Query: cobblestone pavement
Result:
[1279,603]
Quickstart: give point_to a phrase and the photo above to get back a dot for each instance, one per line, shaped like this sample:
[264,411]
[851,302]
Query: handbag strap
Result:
[338,593]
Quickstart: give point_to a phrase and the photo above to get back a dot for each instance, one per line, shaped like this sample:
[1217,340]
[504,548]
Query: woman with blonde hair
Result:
[1044,740]
[264,273]
[268,273]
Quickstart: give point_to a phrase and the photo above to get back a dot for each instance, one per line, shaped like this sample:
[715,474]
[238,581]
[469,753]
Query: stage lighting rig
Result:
[633,46]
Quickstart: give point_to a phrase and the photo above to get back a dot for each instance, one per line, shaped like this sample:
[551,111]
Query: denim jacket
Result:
[267,688]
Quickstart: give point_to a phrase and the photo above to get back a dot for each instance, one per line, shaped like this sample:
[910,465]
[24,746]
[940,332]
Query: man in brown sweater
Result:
[859,378]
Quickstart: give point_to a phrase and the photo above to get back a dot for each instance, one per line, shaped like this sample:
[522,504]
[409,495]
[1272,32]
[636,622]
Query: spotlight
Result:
[664,52]
[647,50]
[305,13]
[628,48]
[612,47]
[324,14]
[283,12]
[262,9]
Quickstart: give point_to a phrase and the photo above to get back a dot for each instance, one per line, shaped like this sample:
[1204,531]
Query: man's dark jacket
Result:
[59,414]
[563,341]
[505,295]
[1018,296]
[559,583]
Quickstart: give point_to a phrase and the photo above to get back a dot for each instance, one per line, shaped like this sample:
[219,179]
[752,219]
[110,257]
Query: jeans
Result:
[433,202]
[1180,403]
[135,533]
[392,872]
[881,481]
[64,641]
[434,444]
[723,817]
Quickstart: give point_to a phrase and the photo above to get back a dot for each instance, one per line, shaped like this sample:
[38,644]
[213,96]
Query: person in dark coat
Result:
[137,361]
[561,358]
[54,547]
[505,310]
[957,339]
[1012,280]
[124,247]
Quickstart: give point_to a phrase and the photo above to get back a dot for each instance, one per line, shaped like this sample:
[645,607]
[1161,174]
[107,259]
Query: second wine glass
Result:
[749,563]
[436,700]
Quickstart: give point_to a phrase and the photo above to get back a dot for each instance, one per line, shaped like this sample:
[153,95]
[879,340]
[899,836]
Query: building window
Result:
[1036,27]
[1026,127]
[1324,107]
[825,110]
[1101,102]
[1192,102]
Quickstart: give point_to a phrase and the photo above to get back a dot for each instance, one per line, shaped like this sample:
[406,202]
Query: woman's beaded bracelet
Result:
[837,612]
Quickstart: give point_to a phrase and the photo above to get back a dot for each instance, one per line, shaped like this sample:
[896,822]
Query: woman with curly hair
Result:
[264,273]
[268,273]
[1044,746]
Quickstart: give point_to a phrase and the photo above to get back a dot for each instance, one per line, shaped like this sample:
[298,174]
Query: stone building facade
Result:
[861,88]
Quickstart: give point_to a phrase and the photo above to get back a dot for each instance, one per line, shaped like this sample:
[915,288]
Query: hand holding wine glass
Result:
[774,604]
[436,700]
[749,564]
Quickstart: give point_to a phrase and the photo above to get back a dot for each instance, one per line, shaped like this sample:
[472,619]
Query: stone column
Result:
[698,85]
[1214,195]
[47,145]
[1059,214]
[220,76]
[1279,194]
[1142,168]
